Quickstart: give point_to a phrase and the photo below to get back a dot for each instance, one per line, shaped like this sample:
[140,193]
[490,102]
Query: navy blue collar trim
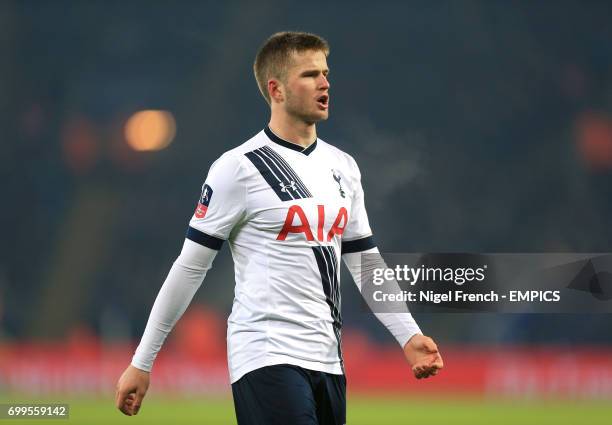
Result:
[289,145]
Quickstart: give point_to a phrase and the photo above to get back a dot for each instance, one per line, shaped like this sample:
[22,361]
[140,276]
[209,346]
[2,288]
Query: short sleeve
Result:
[221,205]
[357,236]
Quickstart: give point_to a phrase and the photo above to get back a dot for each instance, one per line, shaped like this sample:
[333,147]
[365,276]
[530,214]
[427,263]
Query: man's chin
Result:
[313,118]
[320,116]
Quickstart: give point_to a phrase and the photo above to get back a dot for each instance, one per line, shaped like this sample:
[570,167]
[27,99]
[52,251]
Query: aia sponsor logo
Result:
[205,197]
[296,214]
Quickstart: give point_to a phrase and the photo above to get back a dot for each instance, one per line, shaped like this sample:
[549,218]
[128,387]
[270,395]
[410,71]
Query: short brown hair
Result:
[273,57]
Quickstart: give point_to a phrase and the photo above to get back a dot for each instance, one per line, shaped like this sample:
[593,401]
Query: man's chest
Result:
[298,198]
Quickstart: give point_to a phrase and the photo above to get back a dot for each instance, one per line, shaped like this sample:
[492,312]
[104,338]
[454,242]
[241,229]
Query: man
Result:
[289,204]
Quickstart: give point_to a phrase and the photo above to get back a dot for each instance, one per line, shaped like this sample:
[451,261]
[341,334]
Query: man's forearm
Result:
[181,284]
[398,319]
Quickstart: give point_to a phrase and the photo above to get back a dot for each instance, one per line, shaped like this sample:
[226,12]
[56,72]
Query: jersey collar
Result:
[289,145]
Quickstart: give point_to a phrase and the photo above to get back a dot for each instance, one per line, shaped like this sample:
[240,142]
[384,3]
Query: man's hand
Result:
[423,356]
[131,389]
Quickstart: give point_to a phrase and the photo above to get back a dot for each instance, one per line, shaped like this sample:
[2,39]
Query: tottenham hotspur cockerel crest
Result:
[338,179]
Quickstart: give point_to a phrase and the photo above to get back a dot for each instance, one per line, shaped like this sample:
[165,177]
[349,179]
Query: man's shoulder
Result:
[338,153]
[256,141]
[234,156]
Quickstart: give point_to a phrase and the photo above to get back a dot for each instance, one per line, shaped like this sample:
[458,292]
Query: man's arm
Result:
[420,351]
[184,279]
[220,206]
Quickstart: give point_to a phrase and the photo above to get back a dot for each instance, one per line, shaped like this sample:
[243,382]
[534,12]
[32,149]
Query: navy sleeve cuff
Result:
[204,239]
[358,245]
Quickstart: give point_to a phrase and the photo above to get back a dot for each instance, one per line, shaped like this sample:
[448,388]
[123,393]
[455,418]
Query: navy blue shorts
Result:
[286,394]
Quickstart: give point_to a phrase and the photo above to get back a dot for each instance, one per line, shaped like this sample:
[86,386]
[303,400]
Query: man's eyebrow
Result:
[308,72]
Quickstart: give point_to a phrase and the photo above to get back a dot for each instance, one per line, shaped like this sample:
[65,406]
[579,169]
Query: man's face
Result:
[307,87]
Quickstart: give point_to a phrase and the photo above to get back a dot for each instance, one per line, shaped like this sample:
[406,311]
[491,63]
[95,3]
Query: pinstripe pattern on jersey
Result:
[278,173]
[329,269]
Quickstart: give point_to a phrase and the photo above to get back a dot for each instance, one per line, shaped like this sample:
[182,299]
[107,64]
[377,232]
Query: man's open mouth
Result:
[323,101]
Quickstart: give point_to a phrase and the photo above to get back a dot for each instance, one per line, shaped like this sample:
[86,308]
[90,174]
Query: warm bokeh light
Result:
[150,130]
[594,137]
[80,145]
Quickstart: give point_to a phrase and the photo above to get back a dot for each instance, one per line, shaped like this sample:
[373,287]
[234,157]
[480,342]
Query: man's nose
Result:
[324,82]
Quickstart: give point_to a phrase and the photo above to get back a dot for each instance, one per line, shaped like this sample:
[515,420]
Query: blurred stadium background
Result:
[479,126]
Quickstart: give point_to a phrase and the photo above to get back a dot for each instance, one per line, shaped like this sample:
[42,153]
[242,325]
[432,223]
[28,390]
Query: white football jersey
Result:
[288,213]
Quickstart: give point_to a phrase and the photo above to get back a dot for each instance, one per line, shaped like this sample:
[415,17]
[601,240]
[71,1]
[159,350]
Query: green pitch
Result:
[361,411]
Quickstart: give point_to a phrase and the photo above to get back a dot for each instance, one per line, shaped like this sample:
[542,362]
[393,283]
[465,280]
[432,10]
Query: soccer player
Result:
[290,205]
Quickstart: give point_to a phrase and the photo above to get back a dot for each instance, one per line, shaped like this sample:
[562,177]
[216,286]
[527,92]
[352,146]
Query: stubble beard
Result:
[299,111]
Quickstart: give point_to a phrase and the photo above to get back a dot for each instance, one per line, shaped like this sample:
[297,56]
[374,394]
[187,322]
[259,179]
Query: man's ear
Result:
[276,90]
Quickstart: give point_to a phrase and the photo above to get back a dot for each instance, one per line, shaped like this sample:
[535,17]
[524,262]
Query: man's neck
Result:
[297,132]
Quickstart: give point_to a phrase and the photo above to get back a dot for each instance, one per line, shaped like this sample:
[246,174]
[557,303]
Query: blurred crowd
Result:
[481,126]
